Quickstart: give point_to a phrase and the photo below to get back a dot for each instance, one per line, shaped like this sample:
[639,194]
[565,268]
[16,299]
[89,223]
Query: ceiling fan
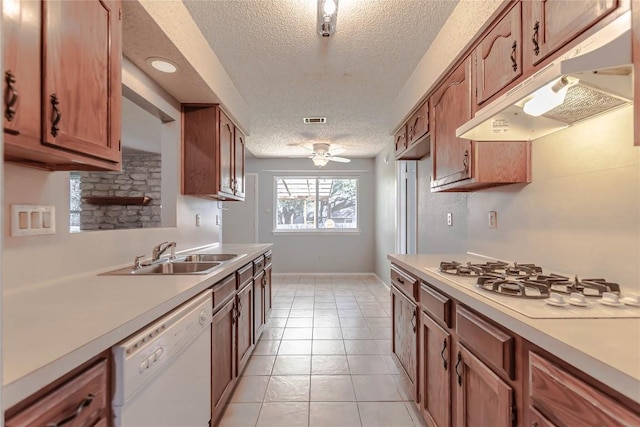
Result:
[321,155]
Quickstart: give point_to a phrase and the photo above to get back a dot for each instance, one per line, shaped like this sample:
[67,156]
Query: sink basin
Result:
[169,268]
[208,257]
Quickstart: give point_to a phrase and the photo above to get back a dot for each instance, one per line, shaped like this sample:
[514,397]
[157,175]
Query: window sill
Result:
[317,233]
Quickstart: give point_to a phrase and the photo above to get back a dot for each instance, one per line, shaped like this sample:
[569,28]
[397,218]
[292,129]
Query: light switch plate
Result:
[32,220]
[449,219]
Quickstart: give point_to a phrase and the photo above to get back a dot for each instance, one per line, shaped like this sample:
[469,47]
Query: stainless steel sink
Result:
[176,267]
[207,257]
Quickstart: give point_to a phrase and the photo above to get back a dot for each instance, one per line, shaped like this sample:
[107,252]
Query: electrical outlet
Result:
[198,220]
[493,219]
[33,220]
[449,219]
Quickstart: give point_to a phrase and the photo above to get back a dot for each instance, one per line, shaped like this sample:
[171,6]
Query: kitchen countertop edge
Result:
[531,329]
[27,383]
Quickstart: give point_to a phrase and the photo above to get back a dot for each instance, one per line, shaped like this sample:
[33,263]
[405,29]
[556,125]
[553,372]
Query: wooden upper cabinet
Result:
[238,167]
[22,64]
[498,57]
[482,398]
[418,124]
[400,140]
[211,166]
[227,142]
[434,370]
[81,82]
[565,400]
[450,108]
[550,24]
[72,121]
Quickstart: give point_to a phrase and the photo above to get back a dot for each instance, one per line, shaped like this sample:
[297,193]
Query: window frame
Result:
[317,231]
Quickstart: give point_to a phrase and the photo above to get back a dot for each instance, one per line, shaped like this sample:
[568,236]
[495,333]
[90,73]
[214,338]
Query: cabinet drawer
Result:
[566,400]
[435,304]
[82,400]
[404,282]
[267,258]
[489,343]
[258,265]
[245,274]
[223,290]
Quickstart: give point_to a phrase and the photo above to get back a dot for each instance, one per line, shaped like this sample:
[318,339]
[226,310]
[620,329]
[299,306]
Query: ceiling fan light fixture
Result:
[327,17]
[320,161]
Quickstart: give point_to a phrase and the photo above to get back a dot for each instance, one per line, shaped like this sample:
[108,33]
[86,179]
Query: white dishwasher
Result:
[163,372]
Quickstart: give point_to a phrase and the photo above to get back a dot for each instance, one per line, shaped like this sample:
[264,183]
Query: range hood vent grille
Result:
[583,102]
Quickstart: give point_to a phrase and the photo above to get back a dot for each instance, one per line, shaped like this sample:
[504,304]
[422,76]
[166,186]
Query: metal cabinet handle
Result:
[534,39]
[400,281]
[264,281]
[444,348]
[413,318]
[457,372]
[10,96]
[514,63]
[535,424]
[239,310]
[234,314]
[85,402]
[465,162]
[56,115]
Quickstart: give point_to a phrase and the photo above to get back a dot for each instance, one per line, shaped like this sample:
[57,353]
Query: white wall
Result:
[30,260]
[317,253]
[386,199]
[581,213]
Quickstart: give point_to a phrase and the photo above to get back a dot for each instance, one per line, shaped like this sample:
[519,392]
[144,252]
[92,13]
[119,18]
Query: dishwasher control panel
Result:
[138,358]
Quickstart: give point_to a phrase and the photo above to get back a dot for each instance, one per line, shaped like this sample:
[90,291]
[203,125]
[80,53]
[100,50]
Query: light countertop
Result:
[50,328]
[606,349]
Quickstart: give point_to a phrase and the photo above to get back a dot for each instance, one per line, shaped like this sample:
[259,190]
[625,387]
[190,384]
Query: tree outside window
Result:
[316,203]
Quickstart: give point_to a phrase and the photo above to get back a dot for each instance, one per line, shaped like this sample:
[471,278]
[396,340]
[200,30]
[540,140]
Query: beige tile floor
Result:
[324,359]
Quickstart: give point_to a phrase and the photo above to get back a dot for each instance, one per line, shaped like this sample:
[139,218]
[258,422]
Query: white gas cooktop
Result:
[539,308]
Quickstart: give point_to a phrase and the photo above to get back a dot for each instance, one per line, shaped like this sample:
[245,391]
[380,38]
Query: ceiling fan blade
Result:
[336,151]
[339,159]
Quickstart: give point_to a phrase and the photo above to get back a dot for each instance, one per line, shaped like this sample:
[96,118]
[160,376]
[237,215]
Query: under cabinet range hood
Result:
[593,78]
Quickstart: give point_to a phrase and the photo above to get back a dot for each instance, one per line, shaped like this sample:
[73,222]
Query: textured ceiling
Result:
[285,71]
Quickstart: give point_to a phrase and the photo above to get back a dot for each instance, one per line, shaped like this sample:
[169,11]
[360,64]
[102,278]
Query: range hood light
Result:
[548,97]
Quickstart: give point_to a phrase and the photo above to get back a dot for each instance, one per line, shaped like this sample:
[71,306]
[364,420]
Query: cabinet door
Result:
[401,140]
[238,168]
[226,154]
[258,306]
[404,334]
[435,365]
[553,23]
[268,285]
[81,77]
[418,124]
[21,22]
[483,399]
[244,309]
[451,107]
[223,361]
[498,57]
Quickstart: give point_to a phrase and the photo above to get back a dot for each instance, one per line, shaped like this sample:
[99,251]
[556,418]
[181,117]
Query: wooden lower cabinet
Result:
[82,401]
[244,324]
[434,370]
[482,397]
[223,359]
[258,306]
[404,333]
[267,291]
[557,397]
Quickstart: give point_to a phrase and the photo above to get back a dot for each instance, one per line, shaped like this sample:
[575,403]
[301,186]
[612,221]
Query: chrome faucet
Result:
[162,248]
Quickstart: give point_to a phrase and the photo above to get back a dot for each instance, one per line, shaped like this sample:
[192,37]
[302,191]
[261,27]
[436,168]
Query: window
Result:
[316,203]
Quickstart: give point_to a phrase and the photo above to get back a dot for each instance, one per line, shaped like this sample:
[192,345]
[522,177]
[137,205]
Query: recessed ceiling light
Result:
[163,65]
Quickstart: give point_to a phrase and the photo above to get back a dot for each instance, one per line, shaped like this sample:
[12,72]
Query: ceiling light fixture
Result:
[163,65]
[327,17]
[320,161]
